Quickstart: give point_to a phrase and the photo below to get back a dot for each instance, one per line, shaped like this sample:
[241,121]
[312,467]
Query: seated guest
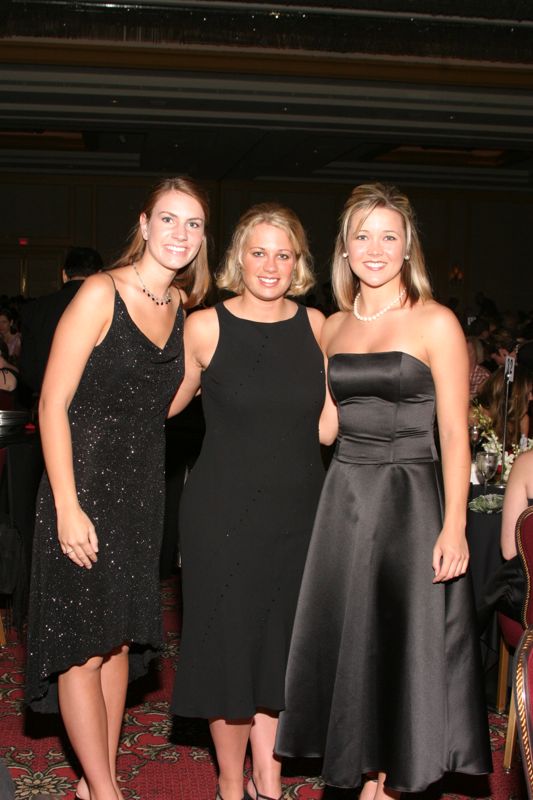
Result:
[505,589]
[8,375]
[8,383]
[478,374]
[500,345]
[491,402]
[518,496]
[9,334]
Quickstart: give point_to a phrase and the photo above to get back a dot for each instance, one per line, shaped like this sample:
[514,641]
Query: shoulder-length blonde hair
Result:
[366,198]
[230,274]
[195,279]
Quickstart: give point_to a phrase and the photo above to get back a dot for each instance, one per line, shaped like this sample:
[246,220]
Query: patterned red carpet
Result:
[165,760]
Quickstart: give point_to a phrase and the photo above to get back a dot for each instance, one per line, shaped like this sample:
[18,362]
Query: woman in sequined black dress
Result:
[115,364]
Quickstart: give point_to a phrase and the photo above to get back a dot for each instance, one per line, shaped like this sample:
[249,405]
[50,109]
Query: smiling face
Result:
[174,231]
[376,246]
[268,260]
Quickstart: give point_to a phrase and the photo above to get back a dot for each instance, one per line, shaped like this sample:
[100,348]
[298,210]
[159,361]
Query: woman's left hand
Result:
[450,556]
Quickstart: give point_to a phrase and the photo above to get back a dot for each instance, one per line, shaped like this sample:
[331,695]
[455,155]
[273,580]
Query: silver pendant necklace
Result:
[379,314]
[159,301]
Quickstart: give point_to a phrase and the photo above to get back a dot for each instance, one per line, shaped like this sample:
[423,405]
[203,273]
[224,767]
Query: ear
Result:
[143,224]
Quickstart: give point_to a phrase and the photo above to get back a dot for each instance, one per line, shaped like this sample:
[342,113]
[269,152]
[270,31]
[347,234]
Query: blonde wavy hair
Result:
[230,274]
[366,198]
[195,279]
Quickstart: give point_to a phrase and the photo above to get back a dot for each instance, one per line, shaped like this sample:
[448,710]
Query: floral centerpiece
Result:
[489,441]
[492,444]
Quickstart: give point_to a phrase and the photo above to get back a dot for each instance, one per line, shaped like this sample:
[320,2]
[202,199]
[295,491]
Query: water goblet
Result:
[486,465]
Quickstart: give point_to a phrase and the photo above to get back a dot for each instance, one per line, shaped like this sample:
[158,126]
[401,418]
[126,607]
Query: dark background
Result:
[289,101]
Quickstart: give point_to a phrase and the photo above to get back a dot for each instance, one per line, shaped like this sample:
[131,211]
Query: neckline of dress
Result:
[261,322]
[384,353]
[140,330]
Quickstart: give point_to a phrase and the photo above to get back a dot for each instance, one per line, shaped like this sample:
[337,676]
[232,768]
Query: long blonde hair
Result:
[366,198]
[230,275]
[491,397]
[195,279]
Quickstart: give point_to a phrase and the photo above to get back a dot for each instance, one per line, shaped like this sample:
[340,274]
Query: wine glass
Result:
[474,436]
[486,465]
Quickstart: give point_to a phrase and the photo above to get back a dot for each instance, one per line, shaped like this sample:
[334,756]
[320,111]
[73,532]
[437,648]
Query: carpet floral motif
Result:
[163,758]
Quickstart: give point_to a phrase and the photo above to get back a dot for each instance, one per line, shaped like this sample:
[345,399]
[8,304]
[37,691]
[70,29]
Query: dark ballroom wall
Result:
[289,101]
[486,234]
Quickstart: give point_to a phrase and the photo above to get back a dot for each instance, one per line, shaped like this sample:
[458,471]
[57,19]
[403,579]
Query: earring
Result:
[406,258]
[345,255]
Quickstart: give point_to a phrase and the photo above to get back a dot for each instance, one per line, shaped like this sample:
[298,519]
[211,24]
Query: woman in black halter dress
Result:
[383,679]
[115,365]
[248,506]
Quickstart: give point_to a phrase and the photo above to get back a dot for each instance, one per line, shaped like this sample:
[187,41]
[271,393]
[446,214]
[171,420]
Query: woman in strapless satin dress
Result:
[383,680]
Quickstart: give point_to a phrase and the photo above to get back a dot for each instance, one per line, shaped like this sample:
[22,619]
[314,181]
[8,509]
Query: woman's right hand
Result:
[77,537]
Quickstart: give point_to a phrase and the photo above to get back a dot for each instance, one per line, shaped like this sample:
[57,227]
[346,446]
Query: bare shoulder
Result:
[96,289]
[523,466]
[437,317]
[201,327]
[332,326]
[204,318]
[201,335]
[316,321]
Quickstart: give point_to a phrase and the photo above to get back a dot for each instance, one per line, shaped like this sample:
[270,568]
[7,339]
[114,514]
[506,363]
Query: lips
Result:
[267,281]
[375,265]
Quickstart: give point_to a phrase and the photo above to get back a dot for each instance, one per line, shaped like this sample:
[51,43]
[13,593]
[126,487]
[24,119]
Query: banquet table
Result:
[17,498]
[483,536]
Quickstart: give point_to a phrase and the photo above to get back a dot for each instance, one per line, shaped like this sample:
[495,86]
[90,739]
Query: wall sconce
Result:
[456,274]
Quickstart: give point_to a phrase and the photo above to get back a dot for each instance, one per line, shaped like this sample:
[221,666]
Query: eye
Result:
[194,223]
[166,218]
[257,253]
[284,256]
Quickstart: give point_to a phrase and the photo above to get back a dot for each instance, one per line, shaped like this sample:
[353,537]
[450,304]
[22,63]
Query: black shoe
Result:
[218,796]
[259,796]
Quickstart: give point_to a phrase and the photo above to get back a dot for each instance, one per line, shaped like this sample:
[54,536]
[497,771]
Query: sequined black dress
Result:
[384,669]
[246,516]
[117,421]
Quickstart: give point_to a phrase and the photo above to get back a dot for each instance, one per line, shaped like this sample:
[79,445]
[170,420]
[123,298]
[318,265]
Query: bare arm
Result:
[448,360]
[515,501]
[200,338]
[329,419]
[81,327]
[8,376]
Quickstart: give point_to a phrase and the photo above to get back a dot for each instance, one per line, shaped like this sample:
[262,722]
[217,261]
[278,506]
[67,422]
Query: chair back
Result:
[523,693]
[524,546]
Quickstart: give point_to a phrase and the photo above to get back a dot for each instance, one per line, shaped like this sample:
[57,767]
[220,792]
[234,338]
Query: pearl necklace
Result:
[159,301]
[379,314]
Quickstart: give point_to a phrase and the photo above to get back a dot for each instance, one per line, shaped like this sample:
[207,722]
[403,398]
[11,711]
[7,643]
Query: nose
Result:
[374,246]
[269,264]
[180,231]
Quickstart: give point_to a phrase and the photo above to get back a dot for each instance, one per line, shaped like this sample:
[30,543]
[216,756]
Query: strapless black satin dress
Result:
[384,669]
